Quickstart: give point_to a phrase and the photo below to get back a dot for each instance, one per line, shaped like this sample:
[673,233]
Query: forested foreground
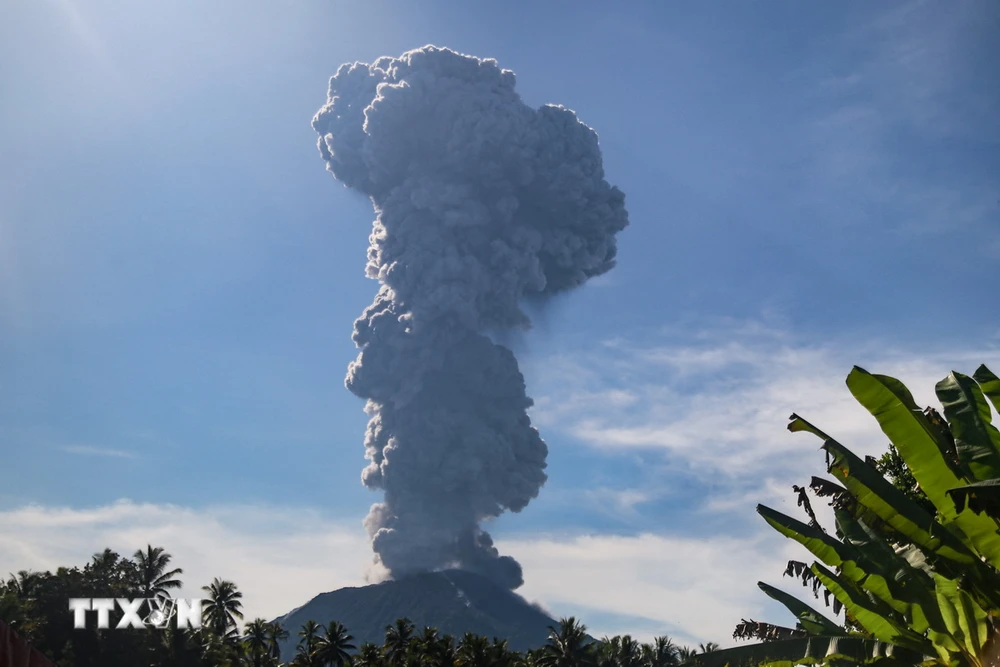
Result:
[35,606]
[910,572]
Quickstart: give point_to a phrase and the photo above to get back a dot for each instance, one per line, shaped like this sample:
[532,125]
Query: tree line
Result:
[35,605]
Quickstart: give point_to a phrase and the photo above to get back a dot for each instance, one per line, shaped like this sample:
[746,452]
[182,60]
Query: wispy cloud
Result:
[693,589]
[717,405]
[707,403]
[87,450]
[279,557]
[892,133]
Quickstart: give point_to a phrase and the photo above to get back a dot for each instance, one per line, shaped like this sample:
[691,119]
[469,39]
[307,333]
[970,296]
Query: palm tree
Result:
[432,649]
[567,646]
[500,654]
[708,648]
[629,653]
[472,651]
[275,635]
[224,607]
[332,648]
[685,653]
[369,655]
[530,658]
[607,651]
[154,580]
[661,653]
[397,641]
[309,639]
[255,640]
[22,584]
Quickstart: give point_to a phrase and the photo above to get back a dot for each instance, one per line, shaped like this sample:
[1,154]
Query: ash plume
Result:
[480,202]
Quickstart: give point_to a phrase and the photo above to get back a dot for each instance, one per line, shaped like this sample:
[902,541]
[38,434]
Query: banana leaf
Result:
[879,392]
[916,440]
[905,587]
[965,619]
[874,491]
[968,413]
[876,617]
[990,384]
[980,497]
[828,549]
[807,651]
[951,555]
[811,620]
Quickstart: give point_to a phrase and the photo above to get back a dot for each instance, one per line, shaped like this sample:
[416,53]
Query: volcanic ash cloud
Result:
[480,201]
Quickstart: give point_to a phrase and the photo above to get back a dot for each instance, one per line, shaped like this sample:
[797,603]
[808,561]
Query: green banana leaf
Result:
[876,617]
[968,413]
[915,439]
[811,620]
[990,384]
[807,651]
[874,491]
[951,555]
[905,587]
[828,549]
[889,391]
[835,553]
[980,497]
[966,620]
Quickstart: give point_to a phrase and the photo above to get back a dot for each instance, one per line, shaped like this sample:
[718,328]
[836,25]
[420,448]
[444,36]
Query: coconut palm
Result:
[686,653]
[472,651]
[529,658]
[23,583]
[255,641]
[333,647]
[567,646]
[153,578]
[434,650]
[606,653]
[661,653]
[224,607]
[308,640]
[397,641]
[275,635]
[629,653]
[500,654]
[369,655]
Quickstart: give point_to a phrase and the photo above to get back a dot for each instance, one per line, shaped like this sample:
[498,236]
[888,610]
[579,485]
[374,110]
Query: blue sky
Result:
[809,187]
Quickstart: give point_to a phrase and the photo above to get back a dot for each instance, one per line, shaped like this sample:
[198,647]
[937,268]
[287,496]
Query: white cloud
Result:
[279,557]
[702,586]
[891,101]
[282,557]
[717,405]
[712,403]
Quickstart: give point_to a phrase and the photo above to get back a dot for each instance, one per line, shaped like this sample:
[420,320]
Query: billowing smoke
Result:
[480,202]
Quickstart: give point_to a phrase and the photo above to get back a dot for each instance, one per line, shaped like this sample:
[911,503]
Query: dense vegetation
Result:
[914,560]
[35,605]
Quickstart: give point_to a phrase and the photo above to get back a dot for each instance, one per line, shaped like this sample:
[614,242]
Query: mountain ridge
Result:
[453,601]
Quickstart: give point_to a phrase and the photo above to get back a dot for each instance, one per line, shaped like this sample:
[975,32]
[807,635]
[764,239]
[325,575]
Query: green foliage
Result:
[915,556]
[35,605]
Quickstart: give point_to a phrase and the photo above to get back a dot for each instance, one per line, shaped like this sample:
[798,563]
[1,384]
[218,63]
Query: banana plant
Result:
[916,587]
